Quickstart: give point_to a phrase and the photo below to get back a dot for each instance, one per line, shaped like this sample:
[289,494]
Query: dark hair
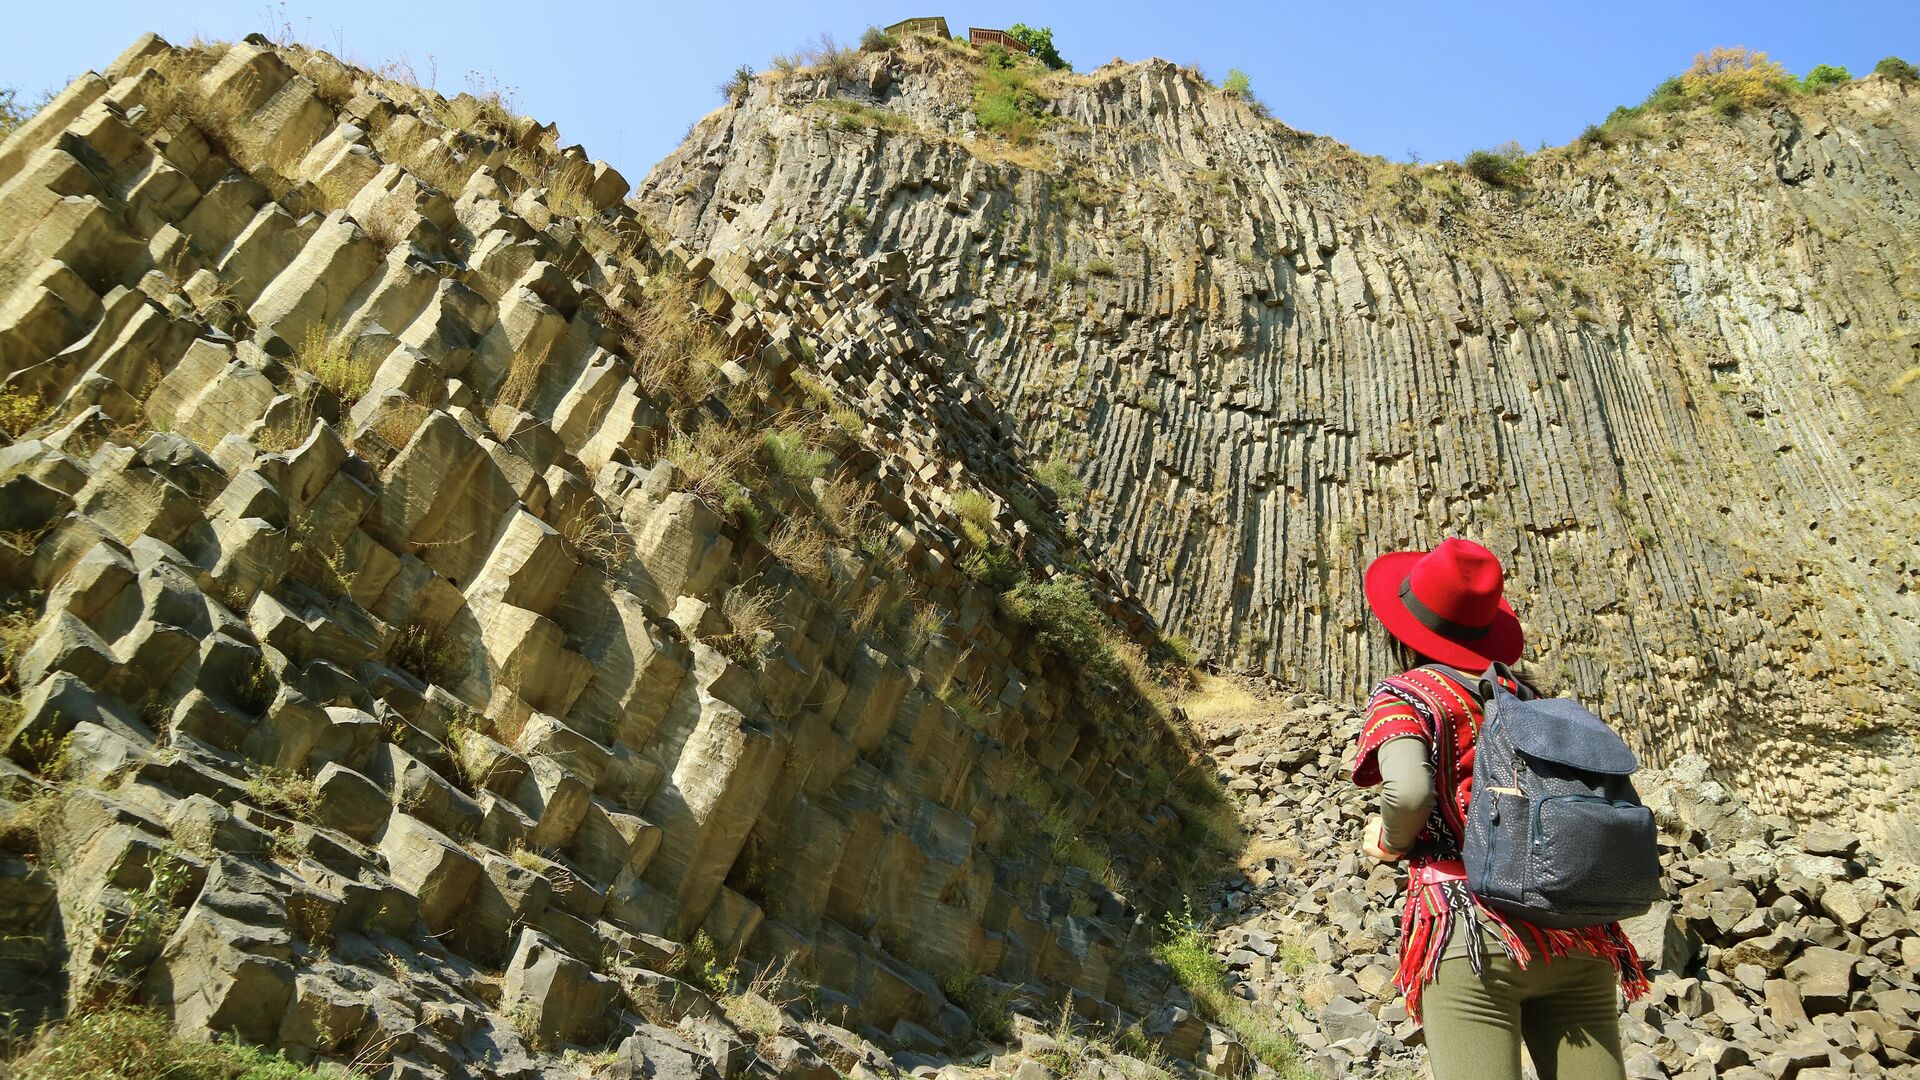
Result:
[1408,658]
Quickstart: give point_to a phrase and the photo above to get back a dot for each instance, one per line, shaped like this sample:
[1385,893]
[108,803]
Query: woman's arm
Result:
[1407,791]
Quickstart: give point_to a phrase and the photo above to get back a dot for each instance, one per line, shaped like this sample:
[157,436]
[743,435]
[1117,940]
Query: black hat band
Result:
[1437,622]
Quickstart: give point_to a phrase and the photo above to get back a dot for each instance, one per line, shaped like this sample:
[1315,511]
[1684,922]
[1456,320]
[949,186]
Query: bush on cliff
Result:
[1066,622]
[1503,166]
[1895,68]
[12,113]
[1738,73]
[1825,75]
[1004,102]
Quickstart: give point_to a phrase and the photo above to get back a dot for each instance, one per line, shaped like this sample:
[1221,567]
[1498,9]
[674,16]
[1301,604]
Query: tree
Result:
[738,85]
[12,113]
[1825,75]
[1238,84]
[1736,74]
[1895,68]
[1039,42]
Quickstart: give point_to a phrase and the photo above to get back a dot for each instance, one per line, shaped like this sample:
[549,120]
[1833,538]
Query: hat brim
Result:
[1502,644]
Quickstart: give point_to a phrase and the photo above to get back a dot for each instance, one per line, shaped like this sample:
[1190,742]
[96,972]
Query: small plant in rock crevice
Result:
[433,655]
[332,358]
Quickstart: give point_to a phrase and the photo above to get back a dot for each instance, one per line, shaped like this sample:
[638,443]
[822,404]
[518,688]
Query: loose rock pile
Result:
[1782,952]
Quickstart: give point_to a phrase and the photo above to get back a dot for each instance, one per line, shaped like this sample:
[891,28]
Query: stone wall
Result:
[1664,380]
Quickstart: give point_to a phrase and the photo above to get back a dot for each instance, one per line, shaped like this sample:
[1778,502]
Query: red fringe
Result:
[1427,924]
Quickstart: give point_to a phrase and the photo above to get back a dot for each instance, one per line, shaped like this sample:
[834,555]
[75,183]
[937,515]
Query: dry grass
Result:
[676,353]
[516,390]
[334,82]
[714,463]
[1216,701]
[388,225]
[598,538]
[799,544]
[846,506]
[332,358]
[396,425]
[418,147]
[749,610]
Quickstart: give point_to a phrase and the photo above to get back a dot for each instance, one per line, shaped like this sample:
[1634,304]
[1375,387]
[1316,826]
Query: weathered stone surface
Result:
[623,653]
[1264,387]
[561,999]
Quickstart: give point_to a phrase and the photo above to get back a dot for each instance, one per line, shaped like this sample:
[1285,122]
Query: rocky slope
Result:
[452,629]
[450,633]
[1783,953]
[1663,379]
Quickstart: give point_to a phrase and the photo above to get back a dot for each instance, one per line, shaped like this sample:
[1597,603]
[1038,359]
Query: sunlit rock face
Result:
[1664,379]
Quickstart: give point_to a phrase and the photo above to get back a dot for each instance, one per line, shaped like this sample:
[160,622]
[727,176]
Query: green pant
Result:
[1566,1010]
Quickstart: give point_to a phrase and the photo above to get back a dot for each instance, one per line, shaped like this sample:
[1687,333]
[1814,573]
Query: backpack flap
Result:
[1560,731]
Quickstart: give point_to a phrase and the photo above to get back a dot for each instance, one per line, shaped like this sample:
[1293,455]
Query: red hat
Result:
[1446,604]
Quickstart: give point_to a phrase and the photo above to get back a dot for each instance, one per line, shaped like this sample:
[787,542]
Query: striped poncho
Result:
[1429,705]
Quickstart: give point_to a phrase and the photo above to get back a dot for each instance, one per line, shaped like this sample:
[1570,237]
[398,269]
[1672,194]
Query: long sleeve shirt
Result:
[1407,792]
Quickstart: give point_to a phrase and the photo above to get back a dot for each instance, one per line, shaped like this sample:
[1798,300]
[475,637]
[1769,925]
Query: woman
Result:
[1481,983]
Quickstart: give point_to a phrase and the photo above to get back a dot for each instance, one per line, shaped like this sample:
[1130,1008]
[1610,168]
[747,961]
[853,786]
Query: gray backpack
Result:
[1556,834]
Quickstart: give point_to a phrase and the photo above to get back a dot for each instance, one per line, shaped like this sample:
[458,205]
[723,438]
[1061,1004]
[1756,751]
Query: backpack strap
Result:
[1482,686]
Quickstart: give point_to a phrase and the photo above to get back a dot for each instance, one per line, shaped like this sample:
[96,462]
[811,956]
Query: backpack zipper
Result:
[1541,805]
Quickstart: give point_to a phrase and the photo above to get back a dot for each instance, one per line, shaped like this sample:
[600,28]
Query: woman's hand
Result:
[1373,843]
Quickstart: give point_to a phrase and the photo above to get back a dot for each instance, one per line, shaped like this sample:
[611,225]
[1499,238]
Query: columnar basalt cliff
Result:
[1664,379]
[448,624]
[460,618]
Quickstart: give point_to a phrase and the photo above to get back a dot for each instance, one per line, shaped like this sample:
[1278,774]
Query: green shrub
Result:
[1039,43]
[1057,473]
[430,654]
[334,359]
[1065,620]
[850,115]
[1596,137]
[1825,75]
[1895,68]
[1238,85]
[1503,166]
[1187,952]
[20,410]
[1003,101]
[794,456]
[1101,267]
[738,85]
[874,39]
[1670,95]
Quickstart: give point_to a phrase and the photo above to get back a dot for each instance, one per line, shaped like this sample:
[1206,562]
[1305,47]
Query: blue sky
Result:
[1391,78]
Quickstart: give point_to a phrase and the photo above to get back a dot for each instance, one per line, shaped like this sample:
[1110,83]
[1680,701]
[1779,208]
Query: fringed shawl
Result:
[1429,705]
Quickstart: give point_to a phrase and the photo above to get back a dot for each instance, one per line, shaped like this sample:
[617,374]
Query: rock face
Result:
[451,629]
[448,626]
[1663,381]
